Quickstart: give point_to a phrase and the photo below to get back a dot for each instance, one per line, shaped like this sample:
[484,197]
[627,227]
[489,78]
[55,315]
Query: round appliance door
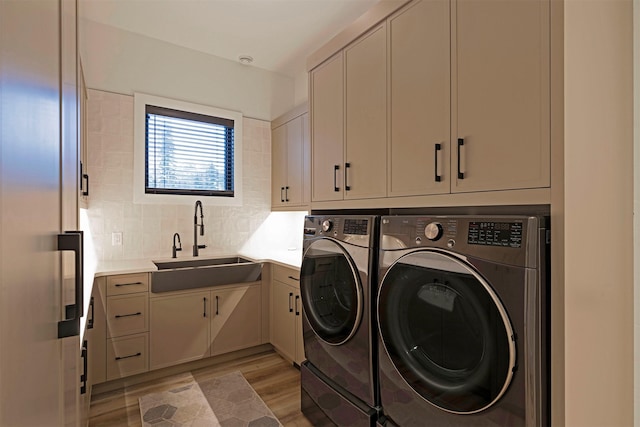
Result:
[446,331]
[331,291]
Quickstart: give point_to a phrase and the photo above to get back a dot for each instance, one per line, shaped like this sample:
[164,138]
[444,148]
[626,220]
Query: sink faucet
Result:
[176,249]
[196,246]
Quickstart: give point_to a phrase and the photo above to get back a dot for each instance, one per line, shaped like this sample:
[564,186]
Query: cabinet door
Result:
[179,328]
[278,165]
[420,99]
[295,178]
[501,120]
[236,319]
[282,319]
[366,117]
[327,129]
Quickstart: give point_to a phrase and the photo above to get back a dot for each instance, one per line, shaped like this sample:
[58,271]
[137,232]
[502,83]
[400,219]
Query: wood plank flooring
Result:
[273,378]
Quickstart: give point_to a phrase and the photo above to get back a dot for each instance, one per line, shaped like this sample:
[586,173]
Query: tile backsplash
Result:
[147,230]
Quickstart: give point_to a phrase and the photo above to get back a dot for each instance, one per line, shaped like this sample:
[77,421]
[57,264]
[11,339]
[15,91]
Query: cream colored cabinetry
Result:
[98,324]
[127,325]
[83,135]
[501,95]
[179,328]
[419,104]
[290,160]
[349,121]
[464,88]
[286,314]
[186,326]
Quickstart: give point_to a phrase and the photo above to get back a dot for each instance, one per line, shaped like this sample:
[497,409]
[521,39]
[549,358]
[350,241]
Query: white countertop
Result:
[285,258]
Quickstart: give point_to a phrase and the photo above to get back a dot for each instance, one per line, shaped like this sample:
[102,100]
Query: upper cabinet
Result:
[440,97]
[419,82]
[290,161]
[349,121]
[501,95]
[83,134]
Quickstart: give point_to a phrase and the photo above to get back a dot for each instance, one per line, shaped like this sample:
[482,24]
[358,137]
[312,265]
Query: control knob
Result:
[326,225]
[433,231]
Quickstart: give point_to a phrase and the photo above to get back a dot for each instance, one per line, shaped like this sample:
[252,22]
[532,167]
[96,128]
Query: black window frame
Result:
[229,155]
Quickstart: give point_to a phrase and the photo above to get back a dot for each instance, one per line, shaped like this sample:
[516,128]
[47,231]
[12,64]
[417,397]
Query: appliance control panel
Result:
[355,229]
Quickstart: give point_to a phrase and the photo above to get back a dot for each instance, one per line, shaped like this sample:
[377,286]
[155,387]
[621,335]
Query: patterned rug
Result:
[225,401]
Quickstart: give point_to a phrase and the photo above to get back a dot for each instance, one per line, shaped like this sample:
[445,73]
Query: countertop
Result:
[291,259]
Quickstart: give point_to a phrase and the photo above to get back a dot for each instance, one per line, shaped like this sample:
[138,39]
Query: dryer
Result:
[337,286]
[463,320]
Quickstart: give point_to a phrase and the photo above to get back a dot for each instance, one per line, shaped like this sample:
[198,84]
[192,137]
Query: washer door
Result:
[331,292]
[446,331]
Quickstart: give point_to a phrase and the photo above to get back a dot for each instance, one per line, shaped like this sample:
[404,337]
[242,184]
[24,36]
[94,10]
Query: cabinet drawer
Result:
[127,284]
[286,275]
[127,314]
[127,356]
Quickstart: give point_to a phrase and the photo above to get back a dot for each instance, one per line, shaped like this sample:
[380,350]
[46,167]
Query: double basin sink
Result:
[176,275]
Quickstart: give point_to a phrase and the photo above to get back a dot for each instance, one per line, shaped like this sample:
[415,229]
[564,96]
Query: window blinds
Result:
[188,153]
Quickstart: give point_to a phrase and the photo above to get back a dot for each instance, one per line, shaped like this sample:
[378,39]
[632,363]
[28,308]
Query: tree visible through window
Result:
[188,153]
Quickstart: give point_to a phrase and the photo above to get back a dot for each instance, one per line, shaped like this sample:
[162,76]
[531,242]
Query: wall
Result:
[636,224]
[123,62]
[148,229]
[598,188]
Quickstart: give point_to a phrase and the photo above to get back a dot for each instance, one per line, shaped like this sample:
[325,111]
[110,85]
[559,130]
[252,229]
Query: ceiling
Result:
[277,34]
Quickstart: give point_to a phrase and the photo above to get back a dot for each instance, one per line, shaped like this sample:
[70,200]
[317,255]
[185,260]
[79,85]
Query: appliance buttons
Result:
[433,231]
[326,225]
[451,243]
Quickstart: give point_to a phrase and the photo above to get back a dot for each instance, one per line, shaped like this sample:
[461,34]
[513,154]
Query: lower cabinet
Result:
[187,326]
[286,314]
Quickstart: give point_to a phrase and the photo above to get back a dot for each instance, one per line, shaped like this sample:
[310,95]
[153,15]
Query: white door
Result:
[32,358]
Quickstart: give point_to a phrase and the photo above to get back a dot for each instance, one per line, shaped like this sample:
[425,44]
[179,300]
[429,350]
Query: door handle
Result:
[336,168]
[297,311]
[85,365]
[90,321]
[286,193]
[290,302]
[346,170]
[73,241]
[281,196]
[438,178]
[204,307]
[217,305]
[460,145]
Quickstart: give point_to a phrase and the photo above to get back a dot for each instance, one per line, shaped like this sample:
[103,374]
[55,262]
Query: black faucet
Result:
[176,249]
[196,246]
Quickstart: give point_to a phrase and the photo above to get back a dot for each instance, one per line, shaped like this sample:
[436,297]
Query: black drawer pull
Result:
[294,278]
[128,284]
[119,316]
[138,354]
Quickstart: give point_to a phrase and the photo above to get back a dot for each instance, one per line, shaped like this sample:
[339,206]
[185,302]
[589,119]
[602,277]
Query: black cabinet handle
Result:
[85,177]
[297,311]
[128,284]
[204,307]
[290,303]
[217,305]
[286,193]
[346,170]
[120,316]
[92,304]
[281,196]
[460,144]
[73,241]
[438,178]
[85,365]
[138,354]
[336,168]
[294,278]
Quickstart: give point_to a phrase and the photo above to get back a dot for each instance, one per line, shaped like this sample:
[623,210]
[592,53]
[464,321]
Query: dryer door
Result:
[446,331]
[331,291]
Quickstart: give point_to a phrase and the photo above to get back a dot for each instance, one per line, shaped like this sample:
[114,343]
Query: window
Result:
[186,151]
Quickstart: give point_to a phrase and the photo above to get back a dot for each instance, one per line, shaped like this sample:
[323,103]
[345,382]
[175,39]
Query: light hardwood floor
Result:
[273,378]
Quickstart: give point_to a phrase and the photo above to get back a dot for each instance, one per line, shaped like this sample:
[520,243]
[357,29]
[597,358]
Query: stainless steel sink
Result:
[178,275]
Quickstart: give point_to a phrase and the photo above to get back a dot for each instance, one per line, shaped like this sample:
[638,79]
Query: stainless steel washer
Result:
[463,317]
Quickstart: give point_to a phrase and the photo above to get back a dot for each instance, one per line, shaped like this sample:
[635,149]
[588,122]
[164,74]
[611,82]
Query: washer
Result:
[337,286]
[463,320]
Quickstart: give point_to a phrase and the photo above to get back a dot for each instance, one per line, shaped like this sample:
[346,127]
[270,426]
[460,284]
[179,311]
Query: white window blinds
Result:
[188,153]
